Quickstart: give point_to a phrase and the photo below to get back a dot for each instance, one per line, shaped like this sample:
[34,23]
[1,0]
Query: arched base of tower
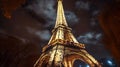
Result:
[61,56]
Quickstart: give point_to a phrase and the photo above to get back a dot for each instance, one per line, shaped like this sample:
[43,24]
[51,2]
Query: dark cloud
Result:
[94,22]
[71,17]
[44,9]
[42,34]
[82,5]
[90,38]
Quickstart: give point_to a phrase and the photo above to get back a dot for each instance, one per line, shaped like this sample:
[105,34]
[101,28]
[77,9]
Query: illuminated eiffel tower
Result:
[63,49]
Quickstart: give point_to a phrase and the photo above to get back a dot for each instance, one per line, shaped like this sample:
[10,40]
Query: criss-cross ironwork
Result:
[63,48]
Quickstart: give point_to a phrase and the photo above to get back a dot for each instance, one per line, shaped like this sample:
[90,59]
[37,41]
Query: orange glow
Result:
[9,6]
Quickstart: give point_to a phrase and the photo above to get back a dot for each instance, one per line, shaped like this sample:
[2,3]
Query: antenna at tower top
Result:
[60,0]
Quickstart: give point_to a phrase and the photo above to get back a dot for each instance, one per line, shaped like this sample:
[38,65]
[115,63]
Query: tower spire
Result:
[62,33]
[60,20]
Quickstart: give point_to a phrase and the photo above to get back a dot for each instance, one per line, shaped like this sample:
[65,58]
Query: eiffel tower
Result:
[63,49]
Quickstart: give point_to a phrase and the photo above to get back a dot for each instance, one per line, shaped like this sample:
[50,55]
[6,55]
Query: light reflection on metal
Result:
[63,48]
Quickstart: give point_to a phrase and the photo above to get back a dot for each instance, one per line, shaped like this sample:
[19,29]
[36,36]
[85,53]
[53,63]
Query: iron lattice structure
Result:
[63,49]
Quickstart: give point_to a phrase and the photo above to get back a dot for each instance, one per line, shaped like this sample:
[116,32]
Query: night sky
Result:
[26,27]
